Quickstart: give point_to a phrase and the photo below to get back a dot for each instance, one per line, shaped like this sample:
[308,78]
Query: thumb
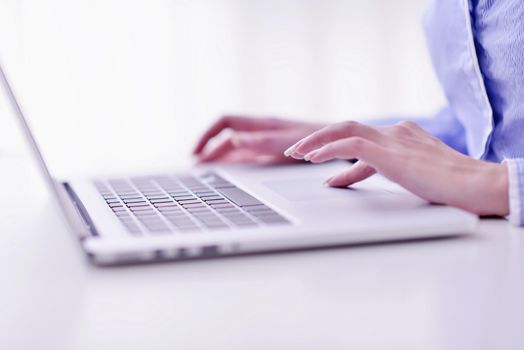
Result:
[358,172]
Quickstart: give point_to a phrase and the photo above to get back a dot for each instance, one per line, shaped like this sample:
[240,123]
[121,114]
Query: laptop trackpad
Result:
[314,189]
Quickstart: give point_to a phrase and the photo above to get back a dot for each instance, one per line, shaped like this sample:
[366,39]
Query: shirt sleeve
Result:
[516,190]
[443,125]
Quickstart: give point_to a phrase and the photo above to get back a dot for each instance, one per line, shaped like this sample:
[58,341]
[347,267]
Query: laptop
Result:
[220,210]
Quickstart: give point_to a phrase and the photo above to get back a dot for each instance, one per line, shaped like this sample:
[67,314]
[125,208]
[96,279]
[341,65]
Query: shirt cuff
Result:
[515,208]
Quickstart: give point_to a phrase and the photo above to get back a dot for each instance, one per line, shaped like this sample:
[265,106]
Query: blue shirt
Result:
[477,50]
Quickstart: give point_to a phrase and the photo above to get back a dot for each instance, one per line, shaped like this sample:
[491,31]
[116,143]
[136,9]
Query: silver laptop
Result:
[215,211]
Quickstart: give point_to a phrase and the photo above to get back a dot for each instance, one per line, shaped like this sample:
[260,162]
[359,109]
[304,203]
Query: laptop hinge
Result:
[77,214]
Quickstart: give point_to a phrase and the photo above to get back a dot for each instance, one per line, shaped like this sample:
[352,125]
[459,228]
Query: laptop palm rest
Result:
[313,189]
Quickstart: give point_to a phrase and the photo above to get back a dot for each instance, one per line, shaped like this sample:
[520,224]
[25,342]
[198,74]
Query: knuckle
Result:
[349,124]
[409,124]
[233,138]
[263,138]
[357,143]
[224,119]
[228,118]
[272,122]
[401,129]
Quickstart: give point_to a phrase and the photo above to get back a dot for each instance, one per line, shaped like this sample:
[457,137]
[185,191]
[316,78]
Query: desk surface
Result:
[461,293]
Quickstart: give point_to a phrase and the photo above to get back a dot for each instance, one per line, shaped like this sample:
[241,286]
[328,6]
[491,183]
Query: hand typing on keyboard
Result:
[253,140]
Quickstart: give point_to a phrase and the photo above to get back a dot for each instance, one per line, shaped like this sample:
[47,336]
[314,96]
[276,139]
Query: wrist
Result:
[489,190]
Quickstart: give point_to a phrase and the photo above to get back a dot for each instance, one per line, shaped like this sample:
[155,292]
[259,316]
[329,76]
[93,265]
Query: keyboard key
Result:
[138,204]
[170,210]
[141,209]
[134,200]
[116,205]
[127,193]
[112,201]
[174,215]
[239,197]
[206,193]
[216,201]
[145,214]
[233,216]
[202,209]
[211,198]
[260,214]
[188,227]
[134,196]
[180,219]
[165,204]
[135,230]
[127,219]
[226,209]
[211,220]
[216,181]
[119,209]
[161,200]
[179,193]
[222,206]
[153,224]
[193,205]
[257,208]
[186,199]
[246,224]
[157,196]
[159,229]
[185,225]
[275,220]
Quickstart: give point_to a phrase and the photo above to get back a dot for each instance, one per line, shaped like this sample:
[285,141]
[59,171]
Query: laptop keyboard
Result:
[165,204]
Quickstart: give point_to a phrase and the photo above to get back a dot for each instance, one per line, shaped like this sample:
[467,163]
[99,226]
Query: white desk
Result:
[465,293]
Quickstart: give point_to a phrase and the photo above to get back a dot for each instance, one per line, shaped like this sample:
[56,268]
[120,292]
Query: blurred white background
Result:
[121,84]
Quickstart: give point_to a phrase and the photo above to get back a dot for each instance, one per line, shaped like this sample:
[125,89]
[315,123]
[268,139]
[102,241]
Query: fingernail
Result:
[290,150]
[310,155]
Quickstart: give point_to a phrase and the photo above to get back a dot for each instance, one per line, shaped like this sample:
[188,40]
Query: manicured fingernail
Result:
[310,155]
[290,150]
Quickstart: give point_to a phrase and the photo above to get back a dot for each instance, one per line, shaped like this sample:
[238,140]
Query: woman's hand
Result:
[416,160]
[251,139]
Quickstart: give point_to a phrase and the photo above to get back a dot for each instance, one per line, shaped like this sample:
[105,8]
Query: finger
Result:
[255,143]
[219,151]
[236,123]
[358,172]
[238,156]
[246,156]
[350,148]
[329,134]
[265,142]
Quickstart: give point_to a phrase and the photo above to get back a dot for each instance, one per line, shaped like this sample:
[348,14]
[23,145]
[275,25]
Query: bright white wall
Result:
[131,83]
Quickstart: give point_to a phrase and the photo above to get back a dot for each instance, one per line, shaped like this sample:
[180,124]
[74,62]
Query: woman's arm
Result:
[410,156]
[443,125]
[255,139]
